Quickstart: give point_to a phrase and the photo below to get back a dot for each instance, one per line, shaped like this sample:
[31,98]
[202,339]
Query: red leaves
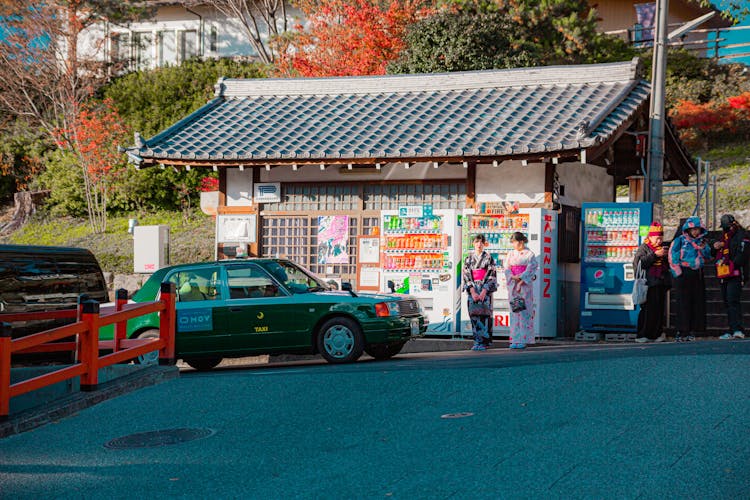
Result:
[741,102]
[698,122]
[704,117]
[209,184]
[351,37]
[94,136]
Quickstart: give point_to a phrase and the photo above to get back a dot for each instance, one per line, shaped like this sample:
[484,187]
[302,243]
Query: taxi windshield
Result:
[294,278]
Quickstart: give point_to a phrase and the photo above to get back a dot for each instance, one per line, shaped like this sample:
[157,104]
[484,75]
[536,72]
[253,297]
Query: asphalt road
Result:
[623,421]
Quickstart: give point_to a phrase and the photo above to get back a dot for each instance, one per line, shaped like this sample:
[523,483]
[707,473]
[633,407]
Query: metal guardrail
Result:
[705,192]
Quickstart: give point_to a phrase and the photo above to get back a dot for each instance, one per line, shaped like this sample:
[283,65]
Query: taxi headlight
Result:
[385,309]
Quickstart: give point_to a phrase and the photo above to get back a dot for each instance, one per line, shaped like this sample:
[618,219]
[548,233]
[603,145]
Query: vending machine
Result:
[612,232]
[497,224]
[420,253]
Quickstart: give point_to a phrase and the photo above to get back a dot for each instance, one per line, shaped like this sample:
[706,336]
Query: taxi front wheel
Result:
[203,364]
[384,351]
[340,340]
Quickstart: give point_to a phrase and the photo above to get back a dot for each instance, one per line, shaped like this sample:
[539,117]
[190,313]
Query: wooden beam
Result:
[222,189]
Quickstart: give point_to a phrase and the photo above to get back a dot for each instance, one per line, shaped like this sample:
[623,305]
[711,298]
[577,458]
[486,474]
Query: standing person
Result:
[520,272]
[733,270]
[687,256]
[652,257]
[480,282]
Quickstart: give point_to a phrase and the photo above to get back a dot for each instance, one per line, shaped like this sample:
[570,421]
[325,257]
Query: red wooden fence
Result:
[90,320]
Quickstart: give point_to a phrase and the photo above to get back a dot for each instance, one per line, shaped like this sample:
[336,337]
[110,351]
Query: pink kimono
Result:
[521,263]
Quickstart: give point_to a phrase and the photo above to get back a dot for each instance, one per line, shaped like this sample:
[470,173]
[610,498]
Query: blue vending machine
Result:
[612,232]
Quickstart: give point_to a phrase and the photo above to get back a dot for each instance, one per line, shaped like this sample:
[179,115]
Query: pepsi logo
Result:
[599,274]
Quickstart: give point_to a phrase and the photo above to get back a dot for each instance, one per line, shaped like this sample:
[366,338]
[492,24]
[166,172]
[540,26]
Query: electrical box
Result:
[150,248]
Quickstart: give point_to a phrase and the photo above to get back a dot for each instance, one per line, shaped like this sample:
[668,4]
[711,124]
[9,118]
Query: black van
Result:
[40,278]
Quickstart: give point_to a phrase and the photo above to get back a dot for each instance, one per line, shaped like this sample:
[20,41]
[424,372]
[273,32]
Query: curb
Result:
[63,407]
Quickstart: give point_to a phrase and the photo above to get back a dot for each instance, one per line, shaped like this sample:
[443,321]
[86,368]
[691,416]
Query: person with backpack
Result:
[733,270]
[687,256]
[651,258]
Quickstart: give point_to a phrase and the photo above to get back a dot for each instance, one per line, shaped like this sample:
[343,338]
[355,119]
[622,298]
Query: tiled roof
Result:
[467,114]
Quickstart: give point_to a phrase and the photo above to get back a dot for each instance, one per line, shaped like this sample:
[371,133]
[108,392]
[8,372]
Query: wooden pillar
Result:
[549,183]
[636,184]
[256,248]
[471,184]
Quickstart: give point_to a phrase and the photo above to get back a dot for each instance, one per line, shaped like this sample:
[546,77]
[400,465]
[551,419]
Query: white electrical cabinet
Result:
[150,248]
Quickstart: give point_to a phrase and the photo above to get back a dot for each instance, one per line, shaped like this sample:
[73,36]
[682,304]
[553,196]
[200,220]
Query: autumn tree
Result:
[350,37]
[94,136]
[44,78]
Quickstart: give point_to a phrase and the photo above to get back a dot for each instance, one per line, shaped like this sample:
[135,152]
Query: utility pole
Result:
[657,109]
[657,112]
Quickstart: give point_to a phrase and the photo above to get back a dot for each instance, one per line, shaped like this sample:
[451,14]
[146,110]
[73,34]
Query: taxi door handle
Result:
[235,309]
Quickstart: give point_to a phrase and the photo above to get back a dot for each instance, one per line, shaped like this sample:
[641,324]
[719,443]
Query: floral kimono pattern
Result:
[521,263]
[479,272]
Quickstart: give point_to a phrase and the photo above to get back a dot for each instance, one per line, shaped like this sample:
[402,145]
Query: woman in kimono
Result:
[480,282]
[520,271]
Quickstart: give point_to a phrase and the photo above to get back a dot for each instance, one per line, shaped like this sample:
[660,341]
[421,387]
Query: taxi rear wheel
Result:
[150,358]
[340,340]
[384,351]
[203,364]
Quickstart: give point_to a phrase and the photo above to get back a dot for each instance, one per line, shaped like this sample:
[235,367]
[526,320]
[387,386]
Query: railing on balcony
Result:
[711,42]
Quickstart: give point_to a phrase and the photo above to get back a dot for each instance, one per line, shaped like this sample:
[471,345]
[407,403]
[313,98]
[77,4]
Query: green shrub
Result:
[152,100]
[64,178]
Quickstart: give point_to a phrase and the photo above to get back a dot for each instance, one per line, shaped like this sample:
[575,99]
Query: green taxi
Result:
[237,308]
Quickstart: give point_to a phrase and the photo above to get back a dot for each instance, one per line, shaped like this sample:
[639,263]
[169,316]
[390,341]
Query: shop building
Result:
[294,152]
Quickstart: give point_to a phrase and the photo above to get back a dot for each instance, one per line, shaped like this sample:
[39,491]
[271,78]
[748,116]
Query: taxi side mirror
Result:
[347,287]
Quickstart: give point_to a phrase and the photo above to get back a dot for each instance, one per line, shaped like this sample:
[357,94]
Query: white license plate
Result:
[415,326]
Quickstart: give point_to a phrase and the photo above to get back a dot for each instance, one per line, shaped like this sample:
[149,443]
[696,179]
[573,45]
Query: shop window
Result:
[296,239]
[569,235]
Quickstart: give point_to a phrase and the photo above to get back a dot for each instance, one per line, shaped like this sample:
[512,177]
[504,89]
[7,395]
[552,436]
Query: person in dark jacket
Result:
[687,256]
[732,268]
[652,257]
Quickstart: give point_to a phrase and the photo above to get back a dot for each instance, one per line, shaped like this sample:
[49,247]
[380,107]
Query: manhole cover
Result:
[155,439]
[457,415]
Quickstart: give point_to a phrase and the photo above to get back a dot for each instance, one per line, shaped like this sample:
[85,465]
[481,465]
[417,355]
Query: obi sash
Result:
[517,270]
[478,274]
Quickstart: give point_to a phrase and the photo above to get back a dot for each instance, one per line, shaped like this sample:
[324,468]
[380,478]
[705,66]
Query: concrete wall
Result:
[584,183]
[510,181]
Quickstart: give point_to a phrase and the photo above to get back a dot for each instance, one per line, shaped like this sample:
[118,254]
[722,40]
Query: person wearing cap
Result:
[732,269]
[652,258]
[687,257]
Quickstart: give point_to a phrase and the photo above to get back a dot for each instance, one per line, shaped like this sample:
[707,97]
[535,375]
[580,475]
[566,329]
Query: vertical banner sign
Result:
[547,233]
[333,237]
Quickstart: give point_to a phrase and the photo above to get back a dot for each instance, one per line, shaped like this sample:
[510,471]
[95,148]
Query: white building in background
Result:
[176,32]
